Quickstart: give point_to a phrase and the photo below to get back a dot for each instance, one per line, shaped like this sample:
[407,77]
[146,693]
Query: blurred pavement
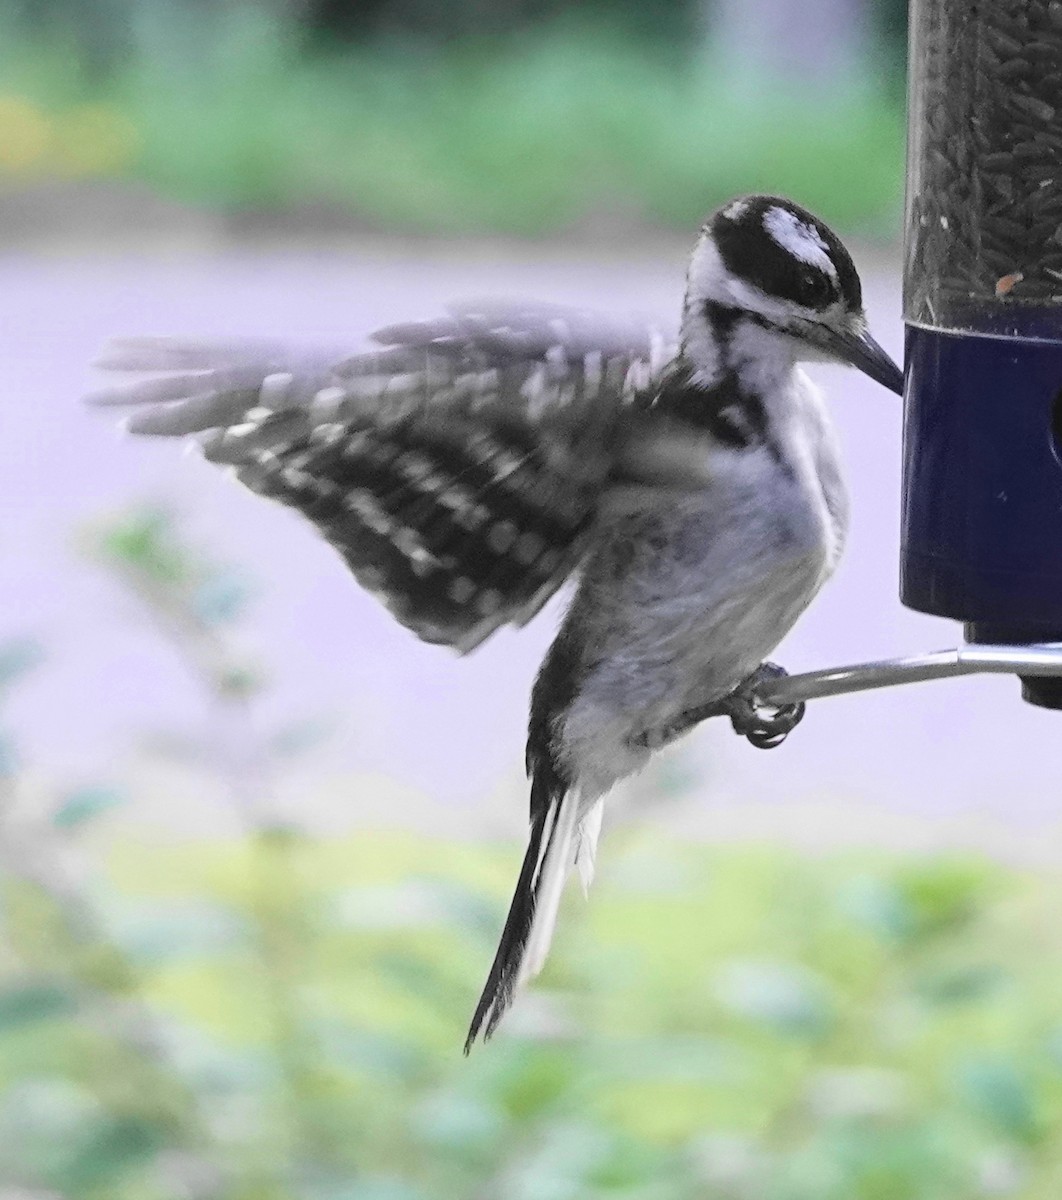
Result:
[968,754]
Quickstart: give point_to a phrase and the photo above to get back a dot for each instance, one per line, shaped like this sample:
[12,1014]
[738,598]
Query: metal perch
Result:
[971,659]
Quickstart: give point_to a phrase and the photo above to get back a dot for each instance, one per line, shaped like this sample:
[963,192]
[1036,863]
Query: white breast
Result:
[683,602]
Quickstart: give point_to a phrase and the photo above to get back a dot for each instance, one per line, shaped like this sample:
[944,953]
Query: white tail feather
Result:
[587,836]
[552,875]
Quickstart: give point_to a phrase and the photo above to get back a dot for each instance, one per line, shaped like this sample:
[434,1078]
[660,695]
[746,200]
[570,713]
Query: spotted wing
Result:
[457,468]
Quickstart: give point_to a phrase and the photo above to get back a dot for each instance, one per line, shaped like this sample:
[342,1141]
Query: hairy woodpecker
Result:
[470,464]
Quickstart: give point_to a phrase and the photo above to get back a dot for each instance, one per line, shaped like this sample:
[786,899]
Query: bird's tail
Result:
[560,838]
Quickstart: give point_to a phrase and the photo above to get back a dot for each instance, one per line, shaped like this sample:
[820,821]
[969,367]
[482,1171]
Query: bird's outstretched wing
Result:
[457,469]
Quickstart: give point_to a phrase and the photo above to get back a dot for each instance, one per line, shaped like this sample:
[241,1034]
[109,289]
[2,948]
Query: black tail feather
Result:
[501,982]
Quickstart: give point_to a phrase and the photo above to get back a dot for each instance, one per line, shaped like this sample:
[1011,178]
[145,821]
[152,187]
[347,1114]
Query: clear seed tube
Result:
[984,200]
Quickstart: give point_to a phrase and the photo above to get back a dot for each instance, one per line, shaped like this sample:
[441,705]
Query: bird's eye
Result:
[815,288]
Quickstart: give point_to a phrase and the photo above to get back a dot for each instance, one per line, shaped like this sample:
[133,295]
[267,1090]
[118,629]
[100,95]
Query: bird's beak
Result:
[858,349]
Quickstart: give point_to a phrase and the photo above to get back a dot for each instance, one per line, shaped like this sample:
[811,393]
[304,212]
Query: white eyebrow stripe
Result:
[799,238]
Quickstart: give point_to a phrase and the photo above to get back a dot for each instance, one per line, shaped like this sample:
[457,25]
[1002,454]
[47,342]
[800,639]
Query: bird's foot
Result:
[765,725]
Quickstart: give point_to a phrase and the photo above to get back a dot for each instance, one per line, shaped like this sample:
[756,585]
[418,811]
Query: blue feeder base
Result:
[982,509]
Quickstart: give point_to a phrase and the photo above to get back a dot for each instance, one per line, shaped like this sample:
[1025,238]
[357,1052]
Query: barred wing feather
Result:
[457,468]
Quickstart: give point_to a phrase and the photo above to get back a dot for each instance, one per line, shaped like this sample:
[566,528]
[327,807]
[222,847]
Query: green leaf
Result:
[107,1148]
[945,897]
[387,1189]
[532,1079]
[144,541]
[240,681]
[1000,1092]
[33,1002]
[83,804]
[41,1121]
[961,985]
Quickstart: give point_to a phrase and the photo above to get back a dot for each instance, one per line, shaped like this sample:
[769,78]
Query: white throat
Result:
[762,359]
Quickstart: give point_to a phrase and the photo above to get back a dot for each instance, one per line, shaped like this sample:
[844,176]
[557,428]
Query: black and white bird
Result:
[471,464]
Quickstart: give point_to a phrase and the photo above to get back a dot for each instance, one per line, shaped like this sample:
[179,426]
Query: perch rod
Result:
[970,659]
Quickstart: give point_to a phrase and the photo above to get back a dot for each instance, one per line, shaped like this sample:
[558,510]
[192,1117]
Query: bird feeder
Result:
[982,466]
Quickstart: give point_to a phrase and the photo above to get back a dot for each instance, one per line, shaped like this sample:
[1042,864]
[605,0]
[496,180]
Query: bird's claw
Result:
[765,725]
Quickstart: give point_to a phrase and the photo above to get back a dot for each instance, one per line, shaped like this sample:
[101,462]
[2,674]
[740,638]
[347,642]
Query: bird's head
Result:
[767,264]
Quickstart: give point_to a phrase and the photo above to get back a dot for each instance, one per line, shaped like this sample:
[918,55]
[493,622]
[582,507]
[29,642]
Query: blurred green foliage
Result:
[571,126]
[279,1016]
[714,1023]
